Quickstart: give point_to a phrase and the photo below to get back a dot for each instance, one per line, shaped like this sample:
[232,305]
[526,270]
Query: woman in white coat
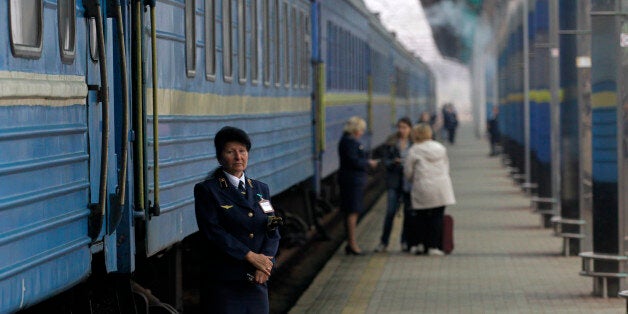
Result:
[427,168]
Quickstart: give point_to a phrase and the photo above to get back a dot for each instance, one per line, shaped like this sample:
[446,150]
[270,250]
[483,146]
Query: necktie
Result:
[241,188]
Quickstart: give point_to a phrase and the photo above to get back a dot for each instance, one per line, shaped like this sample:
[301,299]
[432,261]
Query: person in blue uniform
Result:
[354,162]
[235,216]
[493,131]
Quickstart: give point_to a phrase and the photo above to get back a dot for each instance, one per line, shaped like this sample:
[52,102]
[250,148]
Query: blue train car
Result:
[578,126]
[367,74]
[380,77]
[108,111]
[231,73]
[51,127]
[344,34]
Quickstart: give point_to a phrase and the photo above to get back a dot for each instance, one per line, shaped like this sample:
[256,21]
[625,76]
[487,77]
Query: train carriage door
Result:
[101,125]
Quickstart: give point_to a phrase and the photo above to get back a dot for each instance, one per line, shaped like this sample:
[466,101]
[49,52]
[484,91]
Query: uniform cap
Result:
[230,134]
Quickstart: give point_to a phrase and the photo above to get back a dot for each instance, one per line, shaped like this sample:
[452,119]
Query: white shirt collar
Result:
[235,181]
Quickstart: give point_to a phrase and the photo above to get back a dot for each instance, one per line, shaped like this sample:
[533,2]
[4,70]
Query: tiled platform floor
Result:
[503,261]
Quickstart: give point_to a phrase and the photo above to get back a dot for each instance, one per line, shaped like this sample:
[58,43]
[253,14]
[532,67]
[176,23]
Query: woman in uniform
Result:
[236,218]
[352,177]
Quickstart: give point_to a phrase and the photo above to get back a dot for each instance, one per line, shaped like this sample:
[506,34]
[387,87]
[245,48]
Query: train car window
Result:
[363,68]
[301,37]
[303,48]
[361,64]
[93,45]
[277,44]
[356,60]
[286,45]
[332,56]
[210,40]
[329,58]
[242,41]
[26,28]
[339,58]
[227,70]
[358,64]
[266,41]
[66,15]
[335,33]
[351,57]
[190,37]
[358,67]
[254,43]
[342,62]
[336,83]
[295,46]
[306,47]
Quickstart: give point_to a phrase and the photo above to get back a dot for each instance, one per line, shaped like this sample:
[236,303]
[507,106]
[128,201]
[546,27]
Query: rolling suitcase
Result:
[448,234]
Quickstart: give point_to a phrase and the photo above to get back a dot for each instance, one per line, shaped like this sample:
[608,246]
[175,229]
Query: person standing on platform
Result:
[430,119]
[450,119]
[493,131]
[237,220]
[396,150]
[354,162]
[427,168]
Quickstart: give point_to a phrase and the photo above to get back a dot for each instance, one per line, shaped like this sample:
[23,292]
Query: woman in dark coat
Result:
[235,216]
[493,131]
[397,147]
[352,177]
[451,122]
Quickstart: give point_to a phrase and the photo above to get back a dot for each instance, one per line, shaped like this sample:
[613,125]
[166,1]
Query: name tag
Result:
[266,206]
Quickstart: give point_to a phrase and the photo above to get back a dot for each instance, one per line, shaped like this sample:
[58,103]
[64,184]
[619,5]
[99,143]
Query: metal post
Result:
[584,106]
[621,21]
[526,94]
[554,76]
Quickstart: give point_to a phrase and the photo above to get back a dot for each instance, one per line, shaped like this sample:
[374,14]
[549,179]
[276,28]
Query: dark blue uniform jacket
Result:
[233,224]
[353,161]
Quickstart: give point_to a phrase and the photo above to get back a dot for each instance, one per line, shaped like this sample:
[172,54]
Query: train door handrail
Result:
[93,9]
[121,189]
[155,210]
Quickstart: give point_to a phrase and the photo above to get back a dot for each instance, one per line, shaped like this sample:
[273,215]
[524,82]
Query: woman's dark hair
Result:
[230,134]
[406,121]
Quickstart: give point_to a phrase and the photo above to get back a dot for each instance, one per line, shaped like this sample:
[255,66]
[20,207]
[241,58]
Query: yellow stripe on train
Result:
[176,102]
[341,99]
[604,99]
[22,88]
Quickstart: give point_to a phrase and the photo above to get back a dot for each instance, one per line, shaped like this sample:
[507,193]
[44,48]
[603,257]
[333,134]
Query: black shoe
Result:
[350,251]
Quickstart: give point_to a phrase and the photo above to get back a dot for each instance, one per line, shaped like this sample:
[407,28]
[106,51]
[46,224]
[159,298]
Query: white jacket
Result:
[427,168]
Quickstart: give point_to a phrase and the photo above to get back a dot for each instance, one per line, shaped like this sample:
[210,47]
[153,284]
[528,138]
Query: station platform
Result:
[503,260]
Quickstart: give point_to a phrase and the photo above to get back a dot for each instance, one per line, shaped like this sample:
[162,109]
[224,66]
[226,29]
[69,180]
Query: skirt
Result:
[235,297]
[351,198]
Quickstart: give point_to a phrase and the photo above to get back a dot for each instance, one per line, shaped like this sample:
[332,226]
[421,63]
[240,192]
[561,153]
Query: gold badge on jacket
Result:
[227,207]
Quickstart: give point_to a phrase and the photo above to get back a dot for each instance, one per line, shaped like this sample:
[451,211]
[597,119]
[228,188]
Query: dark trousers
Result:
[227,297]
[494,142]
[451,134]
[395,198]
[426,226]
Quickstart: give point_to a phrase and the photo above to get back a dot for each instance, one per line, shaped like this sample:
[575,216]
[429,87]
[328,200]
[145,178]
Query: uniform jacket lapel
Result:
[232,193]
